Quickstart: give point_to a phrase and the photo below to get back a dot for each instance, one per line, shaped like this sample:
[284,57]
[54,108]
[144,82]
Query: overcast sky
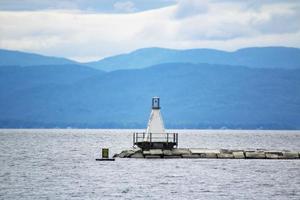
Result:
[89,30]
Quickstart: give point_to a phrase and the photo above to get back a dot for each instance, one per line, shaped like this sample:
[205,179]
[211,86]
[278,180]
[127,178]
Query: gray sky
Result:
[90,30]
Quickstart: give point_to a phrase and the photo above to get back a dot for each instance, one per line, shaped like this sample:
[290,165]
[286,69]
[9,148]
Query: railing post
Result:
[167,137]
[150,137]
[174,138]
[133,139]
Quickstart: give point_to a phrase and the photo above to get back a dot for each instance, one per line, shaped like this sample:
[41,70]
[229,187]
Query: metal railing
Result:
[155,137]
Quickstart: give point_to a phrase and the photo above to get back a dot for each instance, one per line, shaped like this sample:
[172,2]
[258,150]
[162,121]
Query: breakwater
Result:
[198,153]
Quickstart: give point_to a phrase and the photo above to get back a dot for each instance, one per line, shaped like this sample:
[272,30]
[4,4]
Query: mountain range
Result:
[211,93]
[18,58]
[255,57]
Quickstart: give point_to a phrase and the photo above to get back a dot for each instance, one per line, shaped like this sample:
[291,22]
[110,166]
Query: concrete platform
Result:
[200,153]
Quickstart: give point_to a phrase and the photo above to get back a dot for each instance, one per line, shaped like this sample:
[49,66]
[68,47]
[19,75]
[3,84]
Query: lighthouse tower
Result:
[155,123]
[155,136]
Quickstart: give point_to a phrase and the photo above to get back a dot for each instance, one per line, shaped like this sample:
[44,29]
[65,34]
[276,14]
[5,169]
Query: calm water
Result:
[60,164]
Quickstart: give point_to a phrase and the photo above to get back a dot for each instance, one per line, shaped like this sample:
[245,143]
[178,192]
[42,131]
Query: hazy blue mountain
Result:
[19,58]
[14,78]
[256,57]
[192,96]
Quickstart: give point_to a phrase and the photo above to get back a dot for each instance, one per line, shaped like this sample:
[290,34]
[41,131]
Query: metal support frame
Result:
[156,140]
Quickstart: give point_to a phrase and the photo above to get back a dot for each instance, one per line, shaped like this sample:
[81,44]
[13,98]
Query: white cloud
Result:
[213,24]
[188,8]
[126,6]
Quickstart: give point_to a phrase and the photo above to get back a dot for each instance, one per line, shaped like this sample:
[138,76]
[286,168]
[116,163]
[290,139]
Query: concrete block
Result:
[154,152]
[238,155]
[225,151]
[137,155]
[146,153]
[272,156]
[290,155]
[167,152]
[121,155]
[126,153]
[225,155]
[129,153]
[207,155]
[152,157]
[180,152]
[255,154]
[274,152]
[205,151]
[191,156]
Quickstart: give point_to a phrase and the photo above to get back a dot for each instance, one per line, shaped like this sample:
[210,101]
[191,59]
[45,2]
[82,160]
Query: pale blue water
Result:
[60,164]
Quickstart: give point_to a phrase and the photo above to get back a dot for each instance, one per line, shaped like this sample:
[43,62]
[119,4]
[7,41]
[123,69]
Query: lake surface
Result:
[60,164]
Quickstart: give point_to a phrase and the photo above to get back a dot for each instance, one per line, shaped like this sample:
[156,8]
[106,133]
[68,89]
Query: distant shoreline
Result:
[143,129]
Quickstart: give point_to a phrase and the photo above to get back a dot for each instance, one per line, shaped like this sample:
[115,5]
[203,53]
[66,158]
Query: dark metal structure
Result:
[155,140]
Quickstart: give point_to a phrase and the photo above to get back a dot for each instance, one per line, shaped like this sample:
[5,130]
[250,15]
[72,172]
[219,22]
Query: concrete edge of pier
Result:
[198,153]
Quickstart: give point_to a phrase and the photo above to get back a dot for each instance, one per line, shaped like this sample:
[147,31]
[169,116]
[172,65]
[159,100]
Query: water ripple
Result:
[59,164]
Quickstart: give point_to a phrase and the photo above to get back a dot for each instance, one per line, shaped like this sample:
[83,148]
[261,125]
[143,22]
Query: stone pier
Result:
[197,153]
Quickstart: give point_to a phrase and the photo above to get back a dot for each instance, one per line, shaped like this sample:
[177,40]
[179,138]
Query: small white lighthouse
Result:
[155,136]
